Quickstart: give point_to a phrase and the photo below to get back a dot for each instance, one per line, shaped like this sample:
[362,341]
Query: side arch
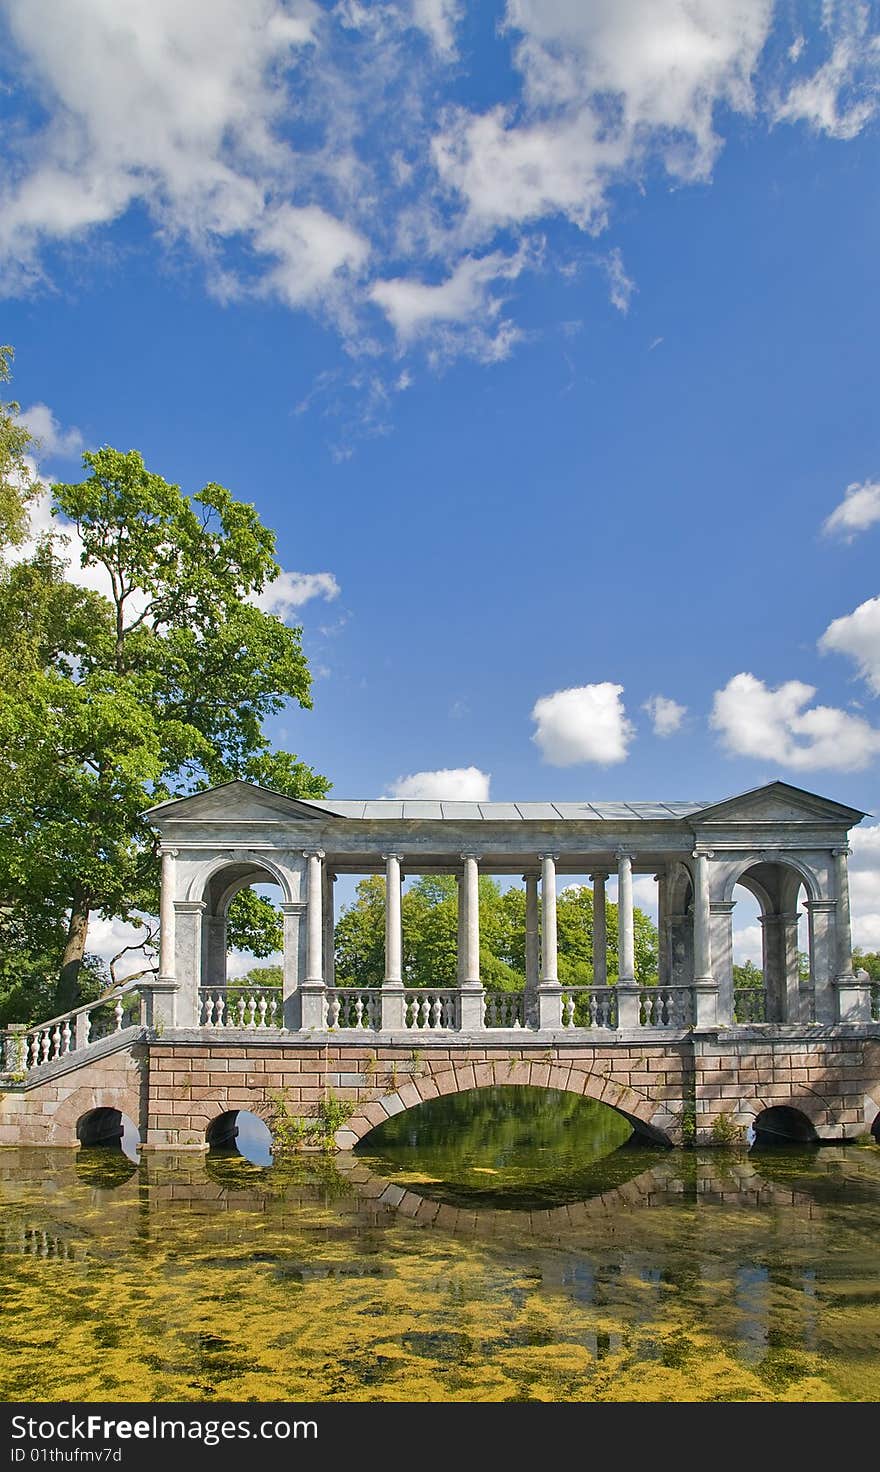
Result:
[647,1118]
[757,859]
[239,858]
[84,1101]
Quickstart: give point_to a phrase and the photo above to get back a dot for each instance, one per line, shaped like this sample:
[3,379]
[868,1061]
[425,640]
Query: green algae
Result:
[386,1276]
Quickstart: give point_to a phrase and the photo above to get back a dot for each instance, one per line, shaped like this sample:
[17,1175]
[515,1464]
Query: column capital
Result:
[292,907]
[189,907]
[703,853]
[598,876]
[471,853]
[166,851]
[820,907]
[553,856]
[392,854]
[841,852]
[313,853]
[532,874]
[625,853]
[722,907]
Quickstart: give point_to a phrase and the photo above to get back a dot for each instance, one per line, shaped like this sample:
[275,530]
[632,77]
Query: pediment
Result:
[778,802]
[232,802]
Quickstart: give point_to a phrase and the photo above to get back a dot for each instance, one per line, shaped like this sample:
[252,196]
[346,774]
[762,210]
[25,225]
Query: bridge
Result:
[684,1058]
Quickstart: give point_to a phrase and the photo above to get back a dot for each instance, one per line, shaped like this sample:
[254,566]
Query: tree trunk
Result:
[67,994]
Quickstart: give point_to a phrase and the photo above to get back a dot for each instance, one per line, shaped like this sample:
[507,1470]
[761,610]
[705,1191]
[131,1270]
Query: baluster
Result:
[358,1010]
[332,1011]
[118,1012]
[568,1009]
[206,1009]
[424,1012]
[218,1004]
[437,1012]
[263,1007]
[56,1042]
[240,1010]
[44,1047]
[32,1049]
[87,1028]
[251,1012]
[66,1036]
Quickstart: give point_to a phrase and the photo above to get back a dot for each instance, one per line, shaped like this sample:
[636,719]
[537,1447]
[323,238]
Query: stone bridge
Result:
[182,1054]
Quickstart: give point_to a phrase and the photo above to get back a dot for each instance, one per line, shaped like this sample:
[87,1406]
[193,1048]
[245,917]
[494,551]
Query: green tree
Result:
[17,485]
[117,702]
[867,961]
[748,975]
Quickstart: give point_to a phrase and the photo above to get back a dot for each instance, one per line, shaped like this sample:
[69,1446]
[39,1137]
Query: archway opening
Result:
[783,1125]
[771,945]
[239,1132]
[242,948]
[108,1129]
[508,1147]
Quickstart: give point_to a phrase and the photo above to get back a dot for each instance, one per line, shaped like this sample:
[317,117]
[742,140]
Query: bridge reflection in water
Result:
[443,1270]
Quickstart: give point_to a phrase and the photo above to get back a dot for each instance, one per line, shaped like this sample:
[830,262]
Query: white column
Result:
[842,924]
[314,973]
[329,928]
[472,920]
[662,878]
[705,991]
[549,945]
[702,919]
[393,922]
[600,930]
[549,991]
[291,976]
[166,915]
[626,942]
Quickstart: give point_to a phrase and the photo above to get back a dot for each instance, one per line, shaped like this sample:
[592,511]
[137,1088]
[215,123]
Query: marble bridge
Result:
[180,1054]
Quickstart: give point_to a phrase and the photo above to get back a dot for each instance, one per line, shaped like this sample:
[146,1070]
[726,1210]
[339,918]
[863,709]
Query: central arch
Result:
[648,1120]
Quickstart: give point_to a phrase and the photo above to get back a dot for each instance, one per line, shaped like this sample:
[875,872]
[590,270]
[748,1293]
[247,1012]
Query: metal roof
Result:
[550,812]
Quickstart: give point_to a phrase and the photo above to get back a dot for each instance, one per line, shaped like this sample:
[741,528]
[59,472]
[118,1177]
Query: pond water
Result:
[506,1245]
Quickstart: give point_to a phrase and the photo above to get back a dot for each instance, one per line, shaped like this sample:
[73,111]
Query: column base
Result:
[313,1006]
[705,1004]
[628,1006]
[162,1006]
[471,1006]
[393,1006]
[853,998]
[549,1005]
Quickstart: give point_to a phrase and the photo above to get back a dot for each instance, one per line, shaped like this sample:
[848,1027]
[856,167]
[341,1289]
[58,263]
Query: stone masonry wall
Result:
[174,1089]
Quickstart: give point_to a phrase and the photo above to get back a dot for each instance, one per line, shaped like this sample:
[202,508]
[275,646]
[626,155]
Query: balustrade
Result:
[504,1009]
[222,1006]
[431,1011]
[666,1006]
[354,1007]
[749,1004]
[589,1006]
[70,1032]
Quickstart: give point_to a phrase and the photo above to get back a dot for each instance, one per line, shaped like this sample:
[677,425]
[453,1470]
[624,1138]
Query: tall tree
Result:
[157,687]
[17,484]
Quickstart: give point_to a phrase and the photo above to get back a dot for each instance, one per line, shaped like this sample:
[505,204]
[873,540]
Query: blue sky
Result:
[544,332]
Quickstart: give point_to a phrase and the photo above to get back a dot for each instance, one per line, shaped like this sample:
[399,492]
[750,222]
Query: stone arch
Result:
[63,1128]
[249,859]
[647,1118]
[737,872]
[786,1124]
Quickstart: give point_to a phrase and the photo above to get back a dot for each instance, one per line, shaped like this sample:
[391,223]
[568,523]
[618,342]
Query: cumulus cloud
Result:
[247,131]
[864,885]
[858,510]
[841,96]
[53,442]
[290,590]
[465,298]
[666,714]
[468,784]
[585,724]
[857,635]
[780,725]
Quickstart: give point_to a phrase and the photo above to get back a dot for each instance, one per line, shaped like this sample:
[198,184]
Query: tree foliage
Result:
[17,485]
[430,930]
[112,702]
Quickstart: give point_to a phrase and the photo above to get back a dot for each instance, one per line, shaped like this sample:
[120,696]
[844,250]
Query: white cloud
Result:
[585,724]
[290,590]
[54,443]
[857,635]
[841,96]
[864,885]
[464,298]
[858,510]
[748,944]
[467,784]
[312,249]
[438,19]
[620,286]
[773,725]
[666,714]
[106,938]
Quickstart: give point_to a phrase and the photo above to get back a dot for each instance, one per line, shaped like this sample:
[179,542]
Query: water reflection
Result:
[673,1276]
